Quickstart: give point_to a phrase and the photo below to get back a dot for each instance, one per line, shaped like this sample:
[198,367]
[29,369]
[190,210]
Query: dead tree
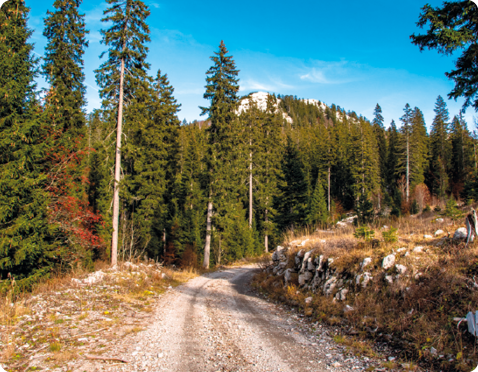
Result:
[471,226]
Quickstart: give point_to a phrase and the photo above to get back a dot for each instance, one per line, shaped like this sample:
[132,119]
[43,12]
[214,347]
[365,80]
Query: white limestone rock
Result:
[427,237]
[388,261]
[418,249]
[460,234]
[330,285]
[308,300]
[366,261]
[401,269]
[389,279]
[439,232]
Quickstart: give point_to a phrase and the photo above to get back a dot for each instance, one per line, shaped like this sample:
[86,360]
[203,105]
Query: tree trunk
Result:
[207,246]
[266,238]
[328,190]
[250,192]
[119,133]
[408,168]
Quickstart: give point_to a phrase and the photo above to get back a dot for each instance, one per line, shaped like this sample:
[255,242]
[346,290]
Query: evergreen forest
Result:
[131,180]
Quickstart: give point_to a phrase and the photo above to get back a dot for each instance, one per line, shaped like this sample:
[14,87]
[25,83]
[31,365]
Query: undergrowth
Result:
[416,315]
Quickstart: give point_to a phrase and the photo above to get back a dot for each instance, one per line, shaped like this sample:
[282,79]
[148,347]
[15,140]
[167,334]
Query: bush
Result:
[390,236]
[364,232]
[427,209]
[452,211]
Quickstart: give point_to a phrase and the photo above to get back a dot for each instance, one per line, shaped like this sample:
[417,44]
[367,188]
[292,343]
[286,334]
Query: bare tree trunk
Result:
[207,246]
[119,133]
[408,168]
[266,238]
[328,190]
[250,191]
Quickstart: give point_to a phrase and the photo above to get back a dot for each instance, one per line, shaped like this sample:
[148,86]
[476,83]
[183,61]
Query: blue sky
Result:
[354,54]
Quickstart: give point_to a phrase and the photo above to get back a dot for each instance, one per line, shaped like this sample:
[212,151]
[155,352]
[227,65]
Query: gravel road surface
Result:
[217,322]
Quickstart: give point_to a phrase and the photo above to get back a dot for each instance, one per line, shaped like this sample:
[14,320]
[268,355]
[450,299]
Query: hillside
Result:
[413,292]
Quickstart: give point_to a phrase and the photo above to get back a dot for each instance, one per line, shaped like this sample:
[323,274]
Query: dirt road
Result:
[217,323]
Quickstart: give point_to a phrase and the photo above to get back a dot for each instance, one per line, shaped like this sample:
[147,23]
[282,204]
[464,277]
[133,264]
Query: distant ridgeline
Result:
[263,164]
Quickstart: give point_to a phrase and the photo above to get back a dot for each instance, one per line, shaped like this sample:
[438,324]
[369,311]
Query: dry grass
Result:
[55,318]
[413,314]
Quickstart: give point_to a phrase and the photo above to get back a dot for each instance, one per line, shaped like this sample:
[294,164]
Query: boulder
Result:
[389,279]
[401,249]
[308,300]
[440,220]
[401,269]
[305,278]
[330,285]
[305,261]
[366,261]
[388,261]
[427,237]
[342,294]
[363,279]
[348,308]
[418,249]
[460,234]
[439,232]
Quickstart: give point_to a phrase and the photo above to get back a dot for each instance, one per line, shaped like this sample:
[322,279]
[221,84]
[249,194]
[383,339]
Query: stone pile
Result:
[316,273]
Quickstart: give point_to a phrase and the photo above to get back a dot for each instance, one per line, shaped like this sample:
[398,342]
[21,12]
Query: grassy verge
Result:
[416,312]
[65,318]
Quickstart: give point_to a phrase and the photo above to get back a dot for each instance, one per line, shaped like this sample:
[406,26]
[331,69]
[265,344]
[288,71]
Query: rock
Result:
[305,261]
[388,261]
[384,227]
[330,285]
[301,253]
[305,278]
[389,279]
[287,275]
[348,308]
[440,220]
[433,351]
[363,279]
[427,237]
[401,269]
[308,300]
[407,254]
[418,249]
[460,234]
[341,224]
[401,249]
[319,262]
[310,264]
[342,294]
[366,261]
[439,232]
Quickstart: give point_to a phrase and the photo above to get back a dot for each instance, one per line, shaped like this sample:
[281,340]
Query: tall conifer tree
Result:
[27,248]
[122,75]
[222,91]
[440,149]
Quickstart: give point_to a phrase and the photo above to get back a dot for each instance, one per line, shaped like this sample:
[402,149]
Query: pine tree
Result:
[27,247]
[64,121]
[405,148]
[125,38]
[318,206]
[461,154]
[63,69]
[291,200]
[418,148]
[222,91]
[440,150]
[381,142]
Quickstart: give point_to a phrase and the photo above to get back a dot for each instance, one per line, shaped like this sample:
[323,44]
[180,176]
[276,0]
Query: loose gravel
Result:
[216,322]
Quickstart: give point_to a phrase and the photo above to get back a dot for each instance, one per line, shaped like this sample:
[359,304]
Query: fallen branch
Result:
[106,358]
